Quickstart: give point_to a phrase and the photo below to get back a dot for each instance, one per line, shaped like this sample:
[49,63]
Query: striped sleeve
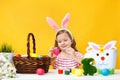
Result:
[79,54]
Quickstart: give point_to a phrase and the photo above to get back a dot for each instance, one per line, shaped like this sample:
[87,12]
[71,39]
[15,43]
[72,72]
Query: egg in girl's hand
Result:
[34,55]
[56,51]
[40,71]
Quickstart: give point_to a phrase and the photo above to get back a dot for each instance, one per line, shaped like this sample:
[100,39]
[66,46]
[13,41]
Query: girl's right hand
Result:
[51,52]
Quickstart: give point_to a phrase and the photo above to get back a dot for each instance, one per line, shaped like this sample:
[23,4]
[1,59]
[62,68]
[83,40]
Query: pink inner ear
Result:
[108,46]
[65,23]
[65,20]
[52,23]
[96,48]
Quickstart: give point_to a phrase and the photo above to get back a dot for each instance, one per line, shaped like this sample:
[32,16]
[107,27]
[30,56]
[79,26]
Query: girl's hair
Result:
[73,45]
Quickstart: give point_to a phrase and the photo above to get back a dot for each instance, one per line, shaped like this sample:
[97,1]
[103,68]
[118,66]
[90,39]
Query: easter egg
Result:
[73,70]
[34,55]
[78,72]
[105,72]
[40,71]
[40,57]
[56,51]
[18,55]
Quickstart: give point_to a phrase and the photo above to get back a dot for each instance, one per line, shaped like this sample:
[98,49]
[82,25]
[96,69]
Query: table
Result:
[53,75]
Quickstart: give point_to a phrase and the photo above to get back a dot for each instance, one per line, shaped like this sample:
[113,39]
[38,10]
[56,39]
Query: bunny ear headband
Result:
[64,23]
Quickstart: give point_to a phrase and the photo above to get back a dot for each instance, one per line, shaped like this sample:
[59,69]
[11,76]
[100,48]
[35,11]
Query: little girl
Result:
[69,56]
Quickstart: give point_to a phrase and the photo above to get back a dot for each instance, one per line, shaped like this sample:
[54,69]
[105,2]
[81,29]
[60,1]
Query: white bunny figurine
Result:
[104,55]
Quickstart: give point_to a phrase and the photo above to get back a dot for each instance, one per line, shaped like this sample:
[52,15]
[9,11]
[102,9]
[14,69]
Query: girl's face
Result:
[63,41]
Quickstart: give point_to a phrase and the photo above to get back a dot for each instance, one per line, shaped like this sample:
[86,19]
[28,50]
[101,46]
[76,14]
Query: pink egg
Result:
[40,71]
[56,51]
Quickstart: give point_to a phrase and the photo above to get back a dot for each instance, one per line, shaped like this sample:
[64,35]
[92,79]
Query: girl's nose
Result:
[63,43]
[102,58]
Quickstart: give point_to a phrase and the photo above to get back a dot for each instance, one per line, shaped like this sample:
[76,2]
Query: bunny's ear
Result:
[52,23]
[110,45]
[65,20]
[94,45]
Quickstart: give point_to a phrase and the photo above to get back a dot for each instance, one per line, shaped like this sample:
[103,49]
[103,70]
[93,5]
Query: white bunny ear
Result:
[52,23]
[110,45]
[94,46]
[65,20]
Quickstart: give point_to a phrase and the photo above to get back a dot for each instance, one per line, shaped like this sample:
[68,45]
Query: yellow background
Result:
[91,20]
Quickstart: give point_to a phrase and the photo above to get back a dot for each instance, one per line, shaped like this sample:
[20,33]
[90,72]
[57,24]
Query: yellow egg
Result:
[73,70]
[34,55]
[78,72]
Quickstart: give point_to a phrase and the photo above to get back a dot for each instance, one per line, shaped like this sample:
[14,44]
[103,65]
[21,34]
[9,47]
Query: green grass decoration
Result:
[6,48]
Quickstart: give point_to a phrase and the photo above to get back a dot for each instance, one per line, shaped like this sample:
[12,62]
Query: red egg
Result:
[56,51]
[40,71]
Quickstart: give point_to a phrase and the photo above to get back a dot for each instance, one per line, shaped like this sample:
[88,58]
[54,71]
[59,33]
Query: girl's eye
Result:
[107,54]
[59,41]
[65,40]
[97,54]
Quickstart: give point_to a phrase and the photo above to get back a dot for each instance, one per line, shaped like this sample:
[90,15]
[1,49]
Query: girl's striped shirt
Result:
[67,63]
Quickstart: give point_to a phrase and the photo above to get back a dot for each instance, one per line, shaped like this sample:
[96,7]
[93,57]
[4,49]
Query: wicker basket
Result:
[30,64]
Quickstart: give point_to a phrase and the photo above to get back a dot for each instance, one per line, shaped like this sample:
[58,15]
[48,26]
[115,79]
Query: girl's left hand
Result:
[70,51]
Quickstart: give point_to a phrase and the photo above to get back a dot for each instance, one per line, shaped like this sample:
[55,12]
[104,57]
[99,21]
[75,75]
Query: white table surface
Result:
[53,75]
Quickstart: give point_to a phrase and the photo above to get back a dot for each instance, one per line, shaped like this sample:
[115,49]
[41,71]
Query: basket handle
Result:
[28,44]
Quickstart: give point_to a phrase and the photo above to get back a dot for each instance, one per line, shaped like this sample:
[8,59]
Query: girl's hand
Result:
[71,54]
[70,51]
[51,52]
